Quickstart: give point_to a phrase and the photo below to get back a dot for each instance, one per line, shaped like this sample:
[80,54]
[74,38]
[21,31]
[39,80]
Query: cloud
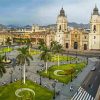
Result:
[45,11]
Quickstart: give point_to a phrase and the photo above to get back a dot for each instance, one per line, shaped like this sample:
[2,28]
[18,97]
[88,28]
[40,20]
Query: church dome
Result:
[95,11]
[62,12]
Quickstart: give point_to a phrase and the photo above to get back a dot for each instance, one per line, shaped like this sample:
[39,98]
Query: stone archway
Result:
[85,46]
[75,45]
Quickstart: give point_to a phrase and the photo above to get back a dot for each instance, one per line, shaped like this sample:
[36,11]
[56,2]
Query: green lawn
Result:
[62,58]
[7,92]
[3,50]
[35,52]
[76,68]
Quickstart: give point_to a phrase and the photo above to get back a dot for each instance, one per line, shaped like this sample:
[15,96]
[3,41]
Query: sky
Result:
[44,12]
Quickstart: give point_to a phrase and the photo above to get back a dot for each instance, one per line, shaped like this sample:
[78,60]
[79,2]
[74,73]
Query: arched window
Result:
[59,27]
[75,45]
[67,46]
[94,28]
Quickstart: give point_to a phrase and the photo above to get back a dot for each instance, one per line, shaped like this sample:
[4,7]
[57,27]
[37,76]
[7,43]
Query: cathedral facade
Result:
[78,39]
[61,28]
[94,35]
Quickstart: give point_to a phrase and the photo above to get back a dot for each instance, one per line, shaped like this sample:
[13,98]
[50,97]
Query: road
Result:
[92,81]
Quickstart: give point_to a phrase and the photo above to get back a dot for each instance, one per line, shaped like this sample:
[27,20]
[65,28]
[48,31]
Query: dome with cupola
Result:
[62,12]
[95,11]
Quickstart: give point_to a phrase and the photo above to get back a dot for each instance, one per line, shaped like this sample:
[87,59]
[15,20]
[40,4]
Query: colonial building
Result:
[35,34]
[70,39]
[77,39]
[94,36]
[61,28]
[3,37]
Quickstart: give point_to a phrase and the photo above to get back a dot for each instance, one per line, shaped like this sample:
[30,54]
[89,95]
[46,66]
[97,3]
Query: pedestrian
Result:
[71,88]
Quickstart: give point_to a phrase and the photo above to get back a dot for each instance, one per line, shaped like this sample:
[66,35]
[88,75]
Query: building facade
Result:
[94,36]
[61,28]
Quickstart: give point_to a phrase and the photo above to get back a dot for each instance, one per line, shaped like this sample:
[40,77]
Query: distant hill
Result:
[76,25]
[70,24]
[2,26]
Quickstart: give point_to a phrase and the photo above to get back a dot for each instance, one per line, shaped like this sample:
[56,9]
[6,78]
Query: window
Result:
[75,35]
[59,27]
[85,37]
[67,36]
[94,37]
[94,28]
[67,45]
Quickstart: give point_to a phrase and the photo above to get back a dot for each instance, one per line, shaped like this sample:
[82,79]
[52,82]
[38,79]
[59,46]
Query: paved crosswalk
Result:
[81,94]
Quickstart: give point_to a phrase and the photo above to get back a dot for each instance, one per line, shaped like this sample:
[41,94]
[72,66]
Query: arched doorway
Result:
[67,45]
[75,45]
[85,46]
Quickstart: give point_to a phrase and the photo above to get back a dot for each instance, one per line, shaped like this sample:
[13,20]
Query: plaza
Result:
[56,62]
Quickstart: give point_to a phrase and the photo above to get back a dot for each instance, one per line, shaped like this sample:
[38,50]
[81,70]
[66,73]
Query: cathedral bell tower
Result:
[62,21]
[61,27]
[94,35]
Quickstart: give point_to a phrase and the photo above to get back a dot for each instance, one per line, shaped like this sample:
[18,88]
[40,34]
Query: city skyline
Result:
[45,12]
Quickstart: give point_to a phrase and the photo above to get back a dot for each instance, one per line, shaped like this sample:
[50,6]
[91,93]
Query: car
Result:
[93,69]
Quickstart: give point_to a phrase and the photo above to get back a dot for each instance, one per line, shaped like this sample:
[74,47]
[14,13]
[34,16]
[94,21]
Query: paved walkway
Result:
[64,89]
[65,93]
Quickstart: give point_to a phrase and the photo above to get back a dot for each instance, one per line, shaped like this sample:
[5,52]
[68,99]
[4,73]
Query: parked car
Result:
[93,69]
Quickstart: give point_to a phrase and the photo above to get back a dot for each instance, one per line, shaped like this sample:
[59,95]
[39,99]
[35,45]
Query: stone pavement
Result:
[65,93]
[64,90]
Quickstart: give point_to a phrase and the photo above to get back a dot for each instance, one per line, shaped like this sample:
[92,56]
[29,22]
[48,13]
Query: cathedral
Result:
[61,28]
[94,35]
[78,39]
[70,39]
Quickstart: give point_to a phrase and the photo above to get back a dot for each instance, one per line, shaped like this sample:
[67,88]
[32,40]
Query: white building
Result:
[61,27]
[94,35]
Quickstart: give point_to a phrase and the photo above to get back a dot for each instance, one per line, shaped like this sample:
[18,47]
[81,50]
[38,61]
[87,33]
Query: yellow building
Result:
[3,37]
[77,40]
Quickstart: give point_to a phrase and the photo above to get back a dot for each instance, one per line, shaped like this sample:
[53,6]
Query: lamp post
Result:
[49,74]
[67,55]
[40,79]
[11,72]
[87,60]
[21,73]
[54,86]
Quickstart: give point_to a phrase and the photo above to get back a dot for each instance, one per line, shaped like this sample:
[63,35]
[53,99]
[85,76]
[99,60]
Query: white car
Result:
[93,69]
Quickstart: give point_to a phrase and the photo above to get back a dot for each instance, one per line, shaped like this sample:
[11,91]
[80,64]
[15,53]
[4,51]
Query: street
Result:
[92,81]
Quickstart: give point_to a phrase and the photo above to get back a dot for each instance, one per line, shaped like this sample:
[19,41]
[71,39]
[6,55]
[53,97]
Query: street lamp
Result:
[87,60]
[40,80]
[21,73]
[40,76]
[11,72]
[67,55]
[70,60]
[54,86]
[49,74]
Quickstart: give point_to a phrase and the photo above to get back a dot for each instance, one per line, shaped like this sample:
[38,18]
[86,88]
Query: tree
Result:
[70,72]
[42,45]
[29,44]
[56,48]
[45,55]
[2,66]
[23,58]
[8,42]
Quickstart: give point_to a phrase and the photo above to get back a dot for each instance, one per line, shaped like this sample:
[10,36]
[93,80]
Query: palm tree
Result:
[2,66]
[8,42]
[56,48]
[45,55]
[42,45]
[28,43]
[23,58]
